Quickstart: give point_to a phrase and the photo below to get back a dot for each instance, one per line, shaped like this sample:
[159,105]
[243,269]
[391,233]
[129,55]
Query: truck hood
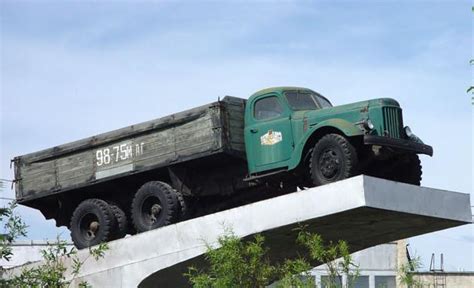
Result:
[359,107]
[353,112]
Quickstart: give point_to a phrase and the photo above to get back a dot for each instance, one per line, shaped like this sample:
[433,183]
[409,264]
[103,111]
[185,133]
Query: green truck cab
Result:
[293,129]
[214,157]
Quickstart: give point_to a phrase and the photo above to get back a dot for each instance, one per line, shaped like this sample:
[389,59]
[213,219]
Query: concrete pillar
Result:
[371,281]
[401,260]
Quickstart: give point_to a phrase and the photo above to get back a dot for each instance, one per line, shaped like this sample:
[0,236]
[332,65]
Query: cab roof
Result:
[279,89]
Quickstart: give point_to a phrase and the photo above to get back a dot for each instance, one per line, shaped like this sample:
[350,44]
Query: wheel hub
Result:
[329,163]
[93,227]
[154,211]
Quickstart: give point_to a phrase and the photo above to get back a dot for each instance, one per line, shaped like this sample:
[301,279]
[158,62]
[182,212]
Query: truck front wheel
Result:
[156,204]
[92,222]
[410,170]
[333,159]
[404,168]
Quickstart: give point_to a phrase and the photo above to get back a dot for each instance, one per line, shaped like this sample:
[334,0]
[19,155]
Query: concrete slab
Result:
[364,211]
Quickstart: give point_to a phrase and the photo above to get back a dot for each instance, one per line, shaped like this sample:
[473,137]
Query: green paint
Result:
[298,127]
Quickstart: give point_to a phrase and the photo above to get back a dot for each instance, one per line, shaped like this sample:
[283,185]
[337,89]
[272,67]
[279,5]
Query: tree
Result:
[51,271]
[327,253]
[14,227]
[406,276]
[240,263]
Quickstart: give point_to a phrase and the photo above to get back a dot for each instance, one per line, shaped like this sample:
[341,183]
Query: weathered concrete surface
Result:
[451,279]
[27,251]
[362,210]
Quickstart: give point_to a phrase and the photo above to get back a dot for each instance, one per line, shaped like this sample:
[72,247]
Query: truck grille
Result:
[393,123]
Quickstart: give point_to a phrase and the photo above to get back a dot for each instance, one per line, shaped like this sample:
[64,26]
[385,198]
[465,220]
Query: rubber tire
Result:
[121,228]
[345,154]
[101,210]
[404,168]
[168,200]
[410,170]
[183,206]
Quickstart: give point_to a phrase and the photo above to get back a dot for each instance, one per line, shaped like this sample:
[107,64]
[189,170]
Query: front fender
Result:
[345,127]
[349,129]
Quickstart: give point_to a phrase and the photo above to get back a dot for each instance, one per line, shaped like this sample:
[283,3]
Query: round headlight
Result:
[408,132]
[368,125]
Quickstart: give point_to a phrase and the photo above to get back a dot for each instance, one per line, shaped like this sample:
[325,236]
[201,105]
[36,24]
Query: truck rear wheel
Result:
[92,223]
[155,205]
[183,206]
[122,223]
[333,159]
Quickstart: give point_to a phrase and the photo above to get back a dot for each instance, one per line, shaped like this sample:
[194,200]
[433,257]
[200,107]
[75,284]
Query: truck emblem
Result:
[271,138]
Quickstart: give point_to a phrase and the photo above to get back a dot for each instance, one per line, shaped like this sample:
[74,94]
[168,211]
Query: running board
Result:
[251,178]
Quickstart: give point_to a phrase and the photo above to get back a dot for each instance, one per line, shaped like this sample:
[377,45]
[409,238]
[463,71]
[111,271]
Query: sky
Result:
[73,69]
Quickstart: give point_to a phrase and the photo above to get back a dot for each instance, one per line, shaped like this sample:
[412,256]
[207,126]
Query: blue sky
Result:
[71,70]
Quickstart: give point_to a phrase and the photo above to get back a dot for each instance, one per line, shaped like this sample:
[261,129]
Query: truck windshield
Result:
[323,101]
[306,101]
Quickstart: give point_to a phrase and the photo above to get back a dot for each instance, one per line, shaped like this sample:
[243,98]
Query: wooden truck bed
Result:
[199,132]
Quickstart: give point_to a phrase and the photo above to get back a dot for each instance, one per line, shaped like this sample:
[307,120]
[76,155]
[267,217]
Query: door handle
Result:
[254,130]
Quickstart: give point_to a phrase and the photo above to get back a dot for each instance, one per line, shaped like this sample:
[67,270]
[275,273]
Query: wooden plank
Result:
[194,149]
[73,178]
[203,123]
[236,120]
[74,173]
[73,161]
[45,182]
[119,134]
[237,139]
[206,142]
[195,135]
[33,169]
[235,109]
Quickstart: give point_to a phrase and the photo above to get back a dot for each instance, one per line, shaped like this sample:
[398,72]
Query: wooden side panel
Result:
[158,146]
[235,109]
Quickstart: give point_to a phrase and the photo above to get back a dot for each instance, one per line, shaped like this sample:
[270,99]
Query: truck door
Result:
[269,135]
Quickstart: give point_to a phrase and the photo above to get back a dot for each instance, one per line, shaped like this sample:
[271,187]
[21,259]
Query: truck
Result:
[214,157]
